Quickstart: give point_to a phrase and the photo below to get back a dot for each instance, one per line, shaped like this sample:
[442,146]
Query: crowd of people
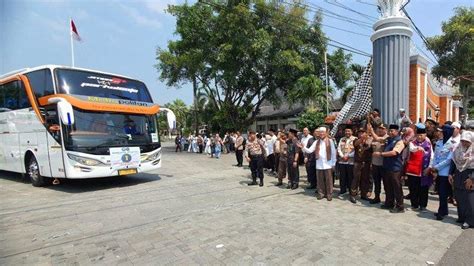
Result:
[366,154]
[362,155]
[212,145]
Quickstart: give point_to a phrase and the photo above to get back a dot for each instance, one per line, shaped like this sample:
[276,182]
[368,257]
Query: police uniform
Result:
[255,153]
[293,172]
[293,150]
[362,159]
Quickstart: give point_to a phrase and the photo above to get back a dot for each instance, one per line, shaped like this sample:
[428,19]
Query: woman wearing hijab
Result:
[462,168]
[419,160]
[440,165]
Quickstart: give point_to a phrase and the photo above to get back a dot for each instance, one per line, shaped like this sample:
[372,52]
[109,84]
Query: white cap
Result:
[402,109]
[322,129]
[467,136]
[456,124]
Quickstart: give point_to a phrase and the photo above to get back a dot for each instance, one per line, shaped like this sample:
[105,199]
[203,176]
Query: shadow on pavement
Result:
[90,184]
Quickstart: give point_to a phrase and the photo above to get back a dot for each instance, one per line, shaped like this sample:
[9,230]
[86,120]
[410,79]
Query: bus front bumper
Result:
[76,170]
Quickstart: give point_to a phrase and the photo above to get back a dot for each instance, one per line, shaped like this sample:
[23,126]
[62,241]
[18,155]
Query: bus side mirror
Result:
[66,113]
[170,117]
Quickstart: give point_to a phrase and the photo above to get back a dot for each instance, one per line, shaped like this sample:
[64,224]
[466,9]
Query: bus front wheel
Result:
[34,173]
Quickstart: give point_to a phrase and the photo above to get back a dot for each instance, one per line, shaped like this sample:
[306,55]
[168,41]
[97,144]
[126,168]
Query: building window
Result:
[260,128]
[273,126]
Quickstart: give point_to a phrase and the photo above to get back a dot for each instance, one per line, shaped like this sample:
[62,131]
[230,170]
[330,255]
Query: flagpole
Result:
[72,43]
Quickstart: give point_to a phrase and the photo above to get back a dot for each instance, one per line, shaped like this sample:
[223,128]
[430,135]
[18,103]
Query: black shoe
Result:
[311,187]
[295,186]
[352,199]
[279,184]
[465,226]
[375,200]
[439,217]
[261,183]
[365,198]
[397,210]
[288,186]
[459,221]
[385,207]
[254,183]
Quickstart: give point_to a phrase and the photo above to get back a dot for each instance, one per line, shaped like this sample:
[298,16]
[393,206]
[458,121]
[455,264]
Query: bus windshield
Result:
[96,132]
[88,83]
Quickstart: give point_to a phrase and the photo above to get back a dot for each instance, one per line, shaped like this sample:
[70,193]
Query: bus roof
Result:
[52,67]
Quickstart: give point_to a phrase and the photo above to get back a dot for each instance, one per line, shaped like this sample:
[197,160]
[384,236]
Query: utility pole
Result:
[196,126]
[327,81]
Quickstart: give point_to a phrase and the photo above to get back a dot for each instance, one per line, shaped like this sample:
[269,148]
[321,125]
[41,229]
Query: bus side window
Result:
[23,99]
[13,96]
[41,82]
[2,97]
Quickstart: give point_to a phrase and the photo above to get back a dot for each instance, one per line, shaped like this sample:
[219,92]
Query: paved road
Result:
[197,210]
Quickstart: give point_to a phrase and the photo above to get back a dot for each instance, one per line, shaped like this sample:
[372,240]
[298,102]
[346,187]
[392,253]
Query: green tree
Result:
[311,119]
[240,53]
[455,51]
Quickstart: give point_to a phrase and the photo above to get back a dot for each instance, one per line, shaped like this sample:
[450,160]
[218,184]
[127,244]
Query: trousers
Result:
[293,173]
[418,193]
[325,183]
[346,174]
[394,192]
[361,179]
[311,172]
[377,173]
[239,154]
[256,167]
[443,185]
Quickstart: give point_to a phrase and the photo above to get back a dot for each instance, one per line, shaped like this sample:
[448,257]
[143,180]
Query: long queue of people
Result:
[369,155]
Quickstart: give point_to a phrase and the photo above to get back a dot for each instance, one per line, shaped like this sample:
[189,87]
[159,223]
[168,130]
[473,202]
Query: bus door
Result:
[54,142]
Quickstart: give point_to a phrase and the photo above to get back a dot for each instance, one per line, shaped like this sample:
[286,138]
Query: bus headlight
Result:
[152,156]
[84,160]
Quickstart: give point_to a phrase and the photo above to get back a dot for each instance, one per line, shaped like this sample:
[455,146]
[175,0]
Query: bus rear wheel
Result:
[33,172]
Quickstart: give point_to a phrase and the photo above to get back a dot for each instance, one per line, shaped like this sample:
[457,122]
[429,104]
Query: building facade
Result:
[428,97]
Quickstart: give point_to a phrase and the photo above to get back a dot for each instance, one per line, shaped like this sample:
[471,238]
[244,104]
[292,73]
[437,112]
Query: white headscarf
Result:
[464,157]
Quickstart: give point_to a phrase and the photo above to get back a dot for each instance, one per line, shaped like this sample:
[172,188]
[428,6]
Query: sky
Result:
[122,36]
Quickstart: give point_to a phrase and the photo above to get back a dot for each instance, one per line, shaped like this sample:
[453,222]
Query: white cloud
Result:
[59,29]
[159,6]
[140,18]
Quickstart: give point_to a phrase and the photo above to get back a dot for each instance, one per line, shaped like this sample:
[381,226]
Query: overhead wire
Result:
[341,5]
[418,31]
[347,47]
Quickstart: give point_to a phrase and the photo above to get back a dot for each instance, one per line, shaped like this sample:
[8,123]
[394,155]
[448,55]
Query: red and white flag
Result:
[74,32]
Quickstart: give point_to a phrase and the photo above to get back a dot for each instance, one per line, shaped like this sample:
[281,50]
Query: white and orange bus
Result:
[63,122]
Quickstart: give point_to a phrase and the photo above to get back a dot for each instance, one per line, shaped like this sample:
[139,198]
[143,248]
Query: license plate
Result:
[127,171]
